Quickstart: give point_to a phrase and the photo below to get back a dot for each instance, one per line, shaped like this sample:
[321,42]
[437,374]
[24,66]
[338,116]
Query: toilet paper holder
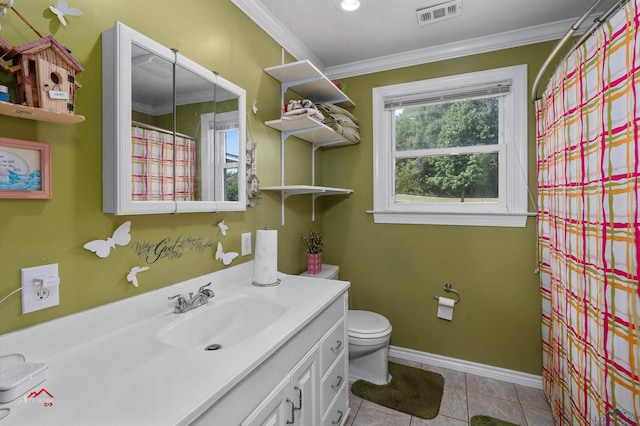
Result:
[449,289]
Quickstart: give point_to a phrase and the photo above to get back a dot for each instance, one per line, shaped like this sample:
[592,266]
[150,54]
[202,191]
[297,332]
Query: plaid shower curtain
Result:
[589,231]
[154,176]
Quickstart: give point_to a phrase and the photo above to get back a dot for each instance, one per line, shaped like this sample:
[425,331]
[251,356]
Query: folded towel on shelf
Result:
[299,104]
[299,113]
[300,108]
[349,133]
[341,121]
[330,109]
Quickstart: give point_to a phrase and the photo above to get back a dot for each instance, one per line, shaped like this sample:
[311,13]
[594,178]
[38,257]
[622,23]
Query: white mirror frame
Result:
[116,124]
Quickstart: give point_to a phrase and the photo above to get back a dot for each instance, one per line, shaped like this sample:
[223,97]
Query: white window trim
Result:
[213,178]
[513,214]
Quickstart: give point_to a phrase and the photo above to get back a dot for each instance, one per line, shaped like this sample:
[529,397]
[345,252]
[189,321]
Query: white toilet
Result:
[369,335]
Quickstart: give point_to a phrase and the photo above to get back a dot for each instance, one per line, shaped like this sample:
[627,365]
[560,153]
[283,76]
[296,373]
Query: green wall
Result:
[213,33]
[397,270]
[394,269]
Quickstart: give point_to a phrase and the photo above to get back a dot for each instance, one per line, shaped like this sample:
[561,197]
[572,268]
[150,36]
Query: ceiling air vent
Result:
[439,12]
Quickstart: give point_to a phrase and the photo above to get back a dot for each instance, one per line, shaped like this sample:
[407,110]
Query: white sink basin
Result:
[223,322]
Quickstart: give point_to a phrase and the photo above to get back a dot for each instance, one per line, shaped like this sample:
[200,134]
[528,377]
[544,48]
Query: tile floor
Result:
[465,395]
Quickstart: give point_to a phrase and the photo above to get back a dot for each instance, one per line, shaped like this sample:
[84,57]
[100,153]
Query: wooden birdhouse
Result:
[45,74]
[4,48]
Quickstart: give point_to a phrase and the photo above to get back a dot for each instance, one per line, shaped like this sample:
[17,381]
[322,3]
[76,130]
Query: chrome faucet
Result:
[201,298]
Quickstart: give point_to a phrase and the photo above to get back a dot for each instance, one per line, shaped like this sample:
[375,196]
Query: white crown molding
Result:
[536,34]
[506,40]
[511,376]
[263,18]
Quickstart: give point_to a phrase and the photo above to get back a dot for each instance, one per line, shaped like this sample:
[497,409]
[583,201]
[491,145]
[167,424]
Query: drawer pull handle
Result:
[299,407]
[293,406]
[335,349]
[293,413]
[337,422]
[337,385]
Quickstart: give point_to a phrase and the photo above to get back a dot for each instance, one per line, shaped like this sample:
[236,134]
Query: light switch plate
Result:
[36,297]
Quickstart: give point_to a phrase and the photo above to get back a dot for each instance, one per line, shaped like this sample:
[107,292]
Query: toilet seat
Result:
[367,325]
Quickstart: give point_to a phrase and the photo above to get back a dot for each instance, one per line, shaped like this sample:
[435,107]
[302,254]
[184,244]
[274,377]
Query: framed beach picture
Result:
[25,169]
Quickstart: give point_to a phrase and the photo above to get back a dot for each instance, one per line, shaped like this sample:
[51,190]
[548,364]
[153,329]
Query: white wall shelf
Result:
[309,82]
[309,130]
[317,191]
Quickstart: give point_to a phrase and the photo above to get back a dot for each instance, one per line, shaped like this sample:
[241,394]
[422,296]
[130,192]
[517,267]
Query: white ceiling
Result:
[387,31]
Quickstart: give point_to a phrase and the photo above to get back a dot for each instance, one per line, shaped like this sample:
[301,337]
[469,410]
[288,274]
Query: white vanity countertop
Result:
[106,367]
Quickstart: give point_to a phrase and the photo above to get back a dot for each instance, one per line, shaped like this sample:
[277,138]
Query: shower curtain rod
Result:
[159,129]
[596,23]
[569,34]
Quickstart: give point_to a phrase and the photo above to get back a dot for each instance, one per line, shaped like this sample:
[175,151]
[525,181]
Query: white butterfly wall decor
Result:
[62,9]
[223,228]
[132,275]
[121,237]
[226,258]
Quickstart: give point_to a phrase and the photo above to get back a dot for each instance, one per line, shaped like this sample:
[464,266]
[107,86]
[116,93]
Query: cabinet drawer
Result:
[333,382]
[333,345]
[339,411]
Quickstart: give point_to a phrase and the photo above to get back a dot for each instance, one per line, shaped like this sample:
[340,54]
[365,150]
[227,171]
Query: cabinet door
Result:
[305,385]
[275,410]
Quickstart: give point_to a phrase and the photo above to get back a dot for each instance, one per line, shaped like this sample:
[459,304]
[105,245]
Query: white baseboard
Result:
[512,376]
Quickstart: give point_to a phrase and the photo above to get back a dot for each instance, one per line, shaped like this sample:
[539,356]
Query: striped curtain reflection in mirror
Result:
[153,169]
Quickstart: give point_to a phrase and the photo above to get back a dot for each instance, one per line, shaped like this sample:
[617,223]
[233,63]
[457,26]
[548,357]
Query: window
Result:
[228,166]
[221,148]
[452,150]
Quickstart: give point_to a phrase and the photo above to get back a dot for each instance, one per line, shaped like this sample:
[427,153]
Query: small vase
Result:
[314,263]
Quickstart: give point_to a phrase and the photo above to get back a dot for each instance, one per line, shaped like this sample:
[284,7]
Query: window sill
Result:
[511,220]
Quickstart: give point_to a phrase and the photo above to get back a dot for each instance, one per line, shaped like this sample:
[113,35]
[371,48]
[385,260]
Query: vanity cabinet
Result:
[334,397]
[305,384]
[309,82]
[295,400]
[262,361]
[173,131]
[275,409]
[305,381]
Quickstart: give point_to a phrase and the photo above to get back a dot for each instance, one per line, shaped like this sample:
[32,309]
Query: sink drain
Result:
[213,347]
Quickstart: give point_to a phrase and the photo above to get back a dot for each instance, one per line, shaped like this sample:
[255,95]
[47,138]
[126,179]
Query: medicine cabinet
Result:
[173,131]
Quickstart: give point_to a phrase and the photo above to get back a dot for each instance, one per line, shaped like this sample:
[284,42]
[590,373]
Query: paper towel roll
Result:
[265,264]
[445,308]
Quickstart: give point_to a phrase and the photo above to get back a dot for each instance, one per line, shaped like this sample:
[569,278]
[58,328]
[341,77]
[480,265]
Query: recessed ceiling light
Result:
[349,5]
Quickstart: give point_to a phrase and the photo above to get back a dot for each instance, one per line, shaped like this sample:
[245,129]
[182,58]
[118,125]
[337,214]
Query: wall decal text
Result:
[171,248]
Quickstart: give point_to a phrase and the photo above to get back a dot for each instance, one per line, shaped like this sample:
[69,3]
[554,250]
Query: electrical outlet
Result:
[40,287]
[41,293]
[246,243]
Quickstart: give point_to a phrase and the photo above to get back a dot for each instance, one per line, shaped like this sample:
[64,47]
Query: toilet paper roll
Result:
[265,264]
[445,308]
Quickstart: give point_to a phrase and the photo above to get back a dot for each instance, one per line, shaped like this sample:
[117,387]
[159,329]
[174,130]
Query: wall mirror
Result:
[173,131]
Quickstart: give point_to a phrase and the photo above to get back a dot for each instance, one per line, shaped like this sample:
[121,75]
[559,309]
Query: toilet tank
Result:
[328,272]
